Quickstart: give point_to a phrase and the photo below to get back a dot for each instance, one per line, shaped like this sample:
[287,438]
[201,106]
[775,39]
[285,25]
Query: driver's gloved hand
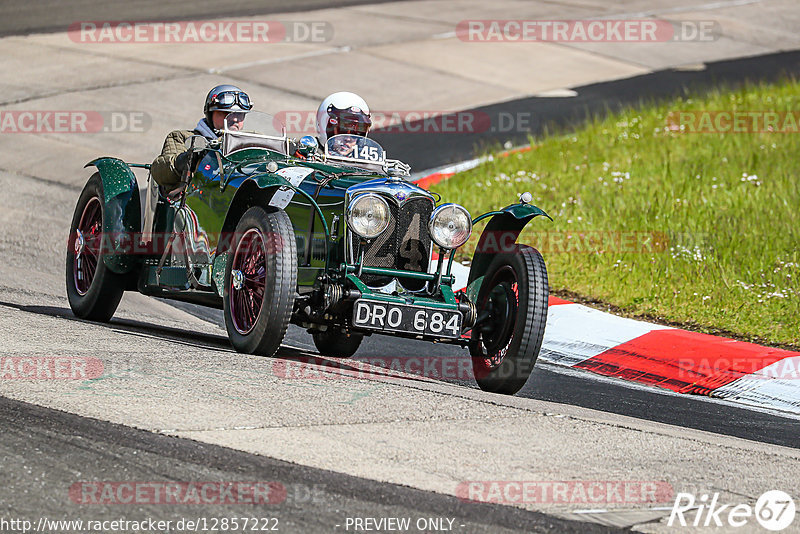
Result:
[181,164]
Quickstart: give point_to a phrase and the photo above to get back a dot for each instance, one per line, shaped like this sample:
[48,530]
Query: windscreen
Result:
[254,130]
[356,148]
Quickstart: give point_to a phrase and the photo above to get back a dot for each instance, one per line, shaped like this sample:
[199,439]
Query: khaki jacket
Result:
[163,167]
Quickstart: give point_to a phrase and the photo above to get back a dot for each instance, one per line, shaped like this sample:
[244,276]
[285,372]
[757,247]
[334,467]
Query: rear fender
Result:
[123,213]
[500,235]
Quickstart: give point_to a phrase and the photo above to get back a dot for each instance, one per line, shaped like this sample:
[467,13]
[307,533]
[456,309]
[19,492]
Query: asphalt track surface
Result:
[69,448]
[578,388]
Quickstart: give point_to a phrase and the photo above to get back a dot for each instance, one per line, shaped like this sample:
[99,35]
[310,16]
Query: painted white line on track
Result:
[238,66]
[682,9]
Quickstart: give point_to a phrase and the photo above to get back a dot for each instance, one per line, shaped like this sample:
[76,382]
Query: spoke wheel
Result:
[86,245]
[93,290]
[248,276]
[260,281]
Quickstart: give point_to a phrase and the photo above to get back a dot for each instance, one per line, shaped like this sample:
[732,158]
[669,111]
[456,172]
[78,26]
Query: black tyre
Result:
[337,344]
[512,314]
[93,290]
[260,281]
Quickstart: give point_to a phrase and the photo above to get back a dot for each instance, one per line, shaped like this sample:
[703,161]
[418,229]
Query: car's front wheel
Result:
[512,313]
[260,281]
[93,290]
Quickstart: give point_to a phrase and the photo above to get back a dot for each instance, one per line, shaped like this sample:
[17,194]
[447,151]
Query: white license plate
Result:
[383,316]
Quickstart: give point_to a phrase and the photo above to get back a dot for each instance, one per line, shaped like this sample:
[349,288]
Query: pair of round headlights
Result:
[450,224]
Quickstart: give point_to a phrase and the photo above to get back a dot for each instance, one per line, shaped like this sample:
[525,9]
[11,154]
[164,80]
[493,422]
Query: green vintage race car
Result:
[334,239]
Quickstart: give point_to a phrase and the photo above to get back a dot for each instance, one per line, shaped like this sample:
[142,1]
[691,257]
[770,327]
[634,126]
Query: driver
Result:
[347,113]
[223,102]
[343,113]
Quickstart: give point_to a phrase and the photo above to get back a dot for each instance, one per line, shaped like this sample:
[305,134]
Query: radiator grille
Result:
[406,244]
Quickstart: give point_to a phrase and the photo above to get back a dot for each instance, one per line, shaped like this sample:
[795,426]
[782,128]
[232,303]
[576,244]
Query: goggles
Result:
[228,99]
[348,123]
[354,127]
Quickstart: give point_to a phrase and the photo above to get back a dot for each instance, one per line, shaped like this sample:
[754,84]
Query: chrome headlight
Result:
[450,226]
[368,215]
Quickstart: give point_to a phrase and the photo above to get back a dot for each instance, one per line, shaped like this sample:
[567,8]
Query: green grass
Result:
[723,210]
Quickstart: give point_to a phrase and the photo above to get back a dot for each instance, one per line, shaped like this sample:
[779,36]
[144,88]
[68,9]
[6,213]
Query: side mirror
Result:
[307,146]
[196,143]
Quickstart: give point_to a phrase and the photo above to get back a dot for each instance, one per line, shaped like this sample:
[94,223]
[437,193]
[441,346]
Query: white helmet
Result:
[342,113]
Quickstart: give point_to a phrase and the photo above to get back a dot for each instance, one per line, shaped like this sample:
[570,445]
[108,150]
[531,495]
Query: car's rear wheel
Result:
[93,290]
[337,344]
[512,314]
[260,281]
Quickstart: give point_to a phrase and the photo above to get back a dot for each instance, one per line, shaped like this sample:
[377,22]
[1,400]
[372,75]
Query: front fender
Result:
[257,190]
[500,235]
[123,212]
[260,190]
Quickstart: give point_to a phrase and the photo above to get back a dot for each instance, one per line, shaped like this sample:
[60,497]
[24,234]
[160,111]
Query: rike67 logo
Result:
[774,510]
